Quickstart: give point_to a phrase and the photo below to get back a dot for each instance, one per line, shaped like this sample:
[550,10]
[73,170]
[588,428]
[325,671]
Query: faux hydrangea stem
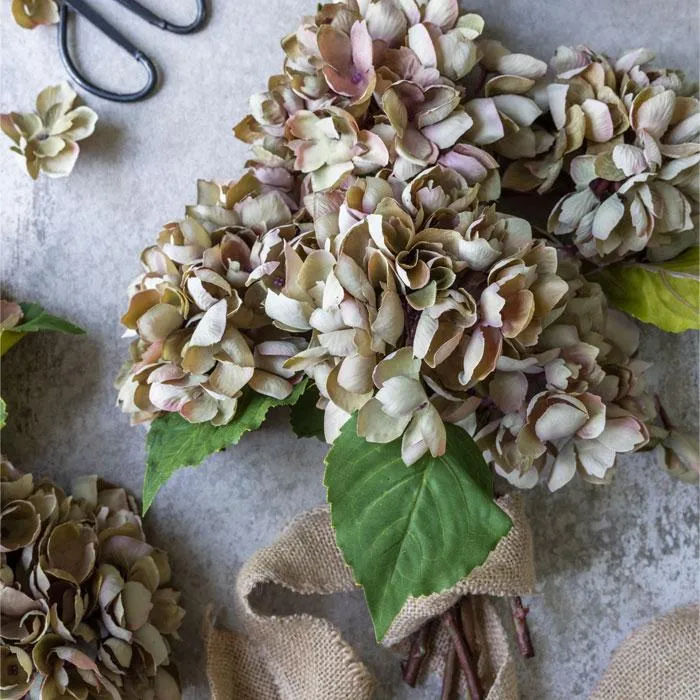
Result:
[448,679]
[420,646]
[522,631]
[464,655]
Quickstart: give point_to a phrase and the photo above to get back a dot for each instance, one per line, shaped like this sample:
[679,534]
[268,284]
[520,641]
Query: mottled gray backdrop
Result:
[608,558]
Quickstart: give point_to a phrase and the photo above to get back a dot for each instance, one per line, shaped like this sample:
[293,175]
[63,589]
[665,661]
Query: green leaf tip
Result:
[410,531]
[173,443]
[665,294]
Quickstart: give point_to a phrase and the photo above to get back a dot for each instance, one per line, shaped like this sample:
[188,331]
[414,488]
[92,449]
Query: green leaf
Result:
[3,413]
[410,531]
[665,294]
[173,443]
[306,419]
[36,319]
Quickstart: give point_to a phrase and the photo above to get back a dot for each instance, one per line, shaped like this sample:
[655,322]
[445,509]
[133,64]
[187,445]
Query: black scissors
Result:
[80,7]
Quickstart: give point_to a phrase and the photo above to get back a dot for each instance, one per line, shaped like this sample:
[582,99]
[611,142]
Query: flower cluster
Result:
[363,248]
[370,85]
[197,311]
[46,139]
[628,137]
[87,610]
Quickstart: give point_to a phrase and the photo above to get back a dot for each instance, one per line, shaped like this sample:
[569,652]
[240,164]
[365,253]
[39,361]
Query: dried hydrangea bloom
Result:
[634,138]
[10,314]
[197,310]
[417,76]
[46,139]
[33,13]
[413,291]
[87,609]
[573,401]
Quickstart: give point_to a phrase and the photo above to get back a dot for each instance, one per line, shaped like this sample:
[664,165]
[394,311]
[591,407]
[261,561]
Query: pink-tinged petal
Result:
[442,13]
[61,165]
[447,132]
[607,217]
[599,123]
[623,434]
[270,385]
[469,161]
[636,57]
[361,45]
[487,126]
[375,155]
[421,43]
[411,10]
[159,322]
[416,148]
[335,48]
[564,468]
[386,22]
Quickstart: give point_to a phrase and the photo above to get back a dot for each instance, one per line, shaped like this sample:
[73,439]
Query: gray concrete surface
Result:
[608,558]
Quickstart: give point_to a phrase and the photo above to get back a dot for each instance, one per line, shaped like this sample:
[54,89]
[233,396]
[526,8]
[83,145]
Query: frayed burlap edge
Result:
[301,657]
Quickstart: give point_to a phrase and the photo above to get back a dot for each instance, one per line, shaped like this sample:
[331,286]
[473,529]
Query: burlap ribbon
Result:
[659,661]
[301,657]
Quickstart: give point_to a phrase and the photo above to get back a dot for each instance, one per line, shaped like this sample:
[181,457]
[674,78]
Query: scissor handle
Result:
[152,18]
[83,9]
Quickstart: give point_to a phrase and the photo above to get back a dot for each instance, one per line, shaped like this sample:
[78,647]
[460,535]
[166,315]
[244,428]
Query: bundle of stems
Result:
[462,656]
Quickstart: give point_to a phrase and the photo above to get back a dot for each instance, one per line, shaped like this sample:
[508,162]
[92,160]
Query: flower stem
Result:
[522,631]
[464,655]
[420,646]
[448,679]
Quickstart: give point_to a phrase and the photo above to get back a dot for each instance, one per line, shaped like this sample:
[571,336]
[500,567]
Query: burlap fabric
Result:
[659,661]
[301,657]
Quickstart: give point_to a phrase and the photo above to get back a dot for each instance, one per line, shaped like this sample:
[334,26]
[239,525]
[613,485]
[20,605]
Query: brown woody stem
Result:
[464,655]
[448,679]
[466,615]
[420,645]
[522,631]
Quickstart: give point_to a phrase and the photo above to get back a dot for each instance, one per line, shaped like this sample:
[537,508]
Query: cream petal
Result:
[629,159]
[607,217]
[270,384]
[508,391]
[563,469]
[487,126]
[653,114]
[522,110]
[401,396]
[159,322]
[421,43]
[560,420]
[376,426]
[334,418]
[599,123]
[211,326]
[447,132]
[289,313]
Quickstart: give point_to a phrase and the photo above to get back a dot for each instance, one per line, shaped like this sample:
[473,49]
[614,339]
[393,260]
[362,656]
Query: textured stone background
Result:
[608,558]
